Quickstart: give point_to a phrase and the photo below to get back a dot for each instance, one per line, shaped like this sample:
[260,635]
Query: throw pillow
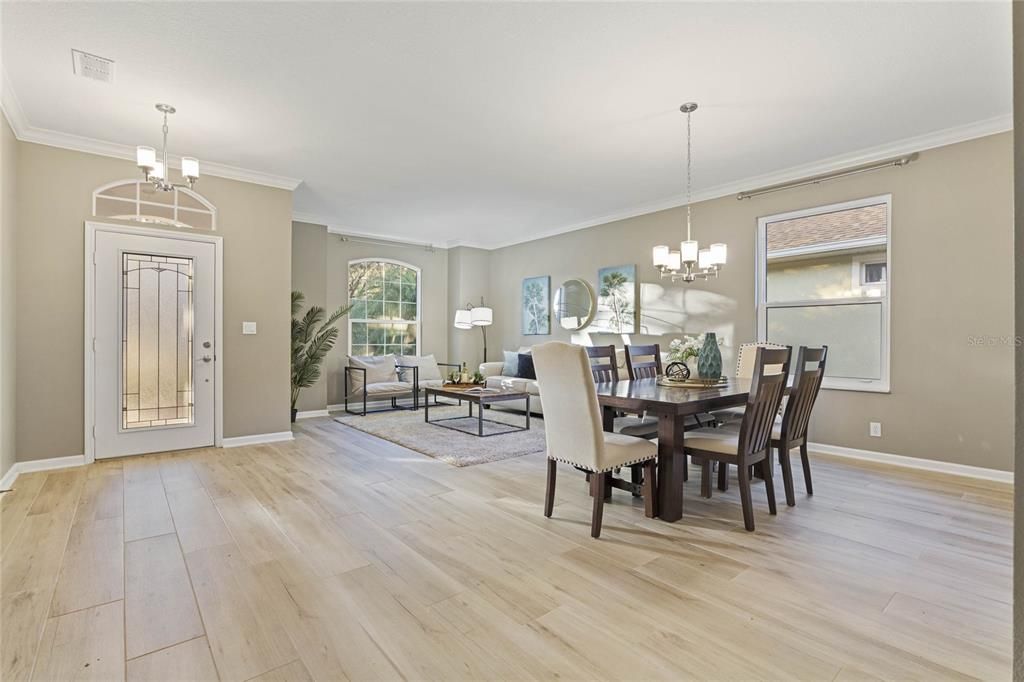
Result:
[526,370]
[511,366]
[379,369]
[429,371]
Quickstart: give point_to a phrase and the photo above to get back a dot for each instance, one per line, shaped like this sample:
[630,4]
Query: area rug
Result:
[459,449]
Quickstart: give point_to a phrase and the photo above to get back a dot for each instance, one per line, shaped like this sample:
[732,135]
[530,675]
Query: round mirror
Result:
[574,304]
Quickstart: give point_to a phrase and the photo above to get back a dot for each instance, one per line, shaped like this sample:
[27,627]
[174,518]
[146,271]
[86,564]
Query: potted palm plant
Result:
[313,337]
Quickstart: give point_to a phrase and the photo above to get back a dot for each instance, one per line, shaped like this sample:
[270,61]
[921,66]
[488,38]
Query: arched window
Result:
[138,200]
[385,315]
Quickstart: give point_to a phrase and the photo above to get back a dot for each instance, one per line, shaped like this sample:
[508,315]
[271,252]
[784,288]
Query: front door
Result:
[154,359]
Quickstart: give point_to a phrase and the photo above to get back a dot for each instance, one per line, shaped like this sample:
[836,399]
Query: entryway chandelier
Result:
[690,262]
[155,171]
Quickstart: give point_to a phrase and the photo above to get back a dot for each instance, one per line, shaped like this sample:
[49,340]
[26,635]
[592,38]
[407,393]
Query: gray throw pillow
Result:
[510,368]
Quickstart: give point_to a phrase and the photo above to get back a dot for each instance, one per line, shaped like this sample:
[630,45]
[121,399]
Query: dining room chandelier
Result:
[156,170]
[690,262]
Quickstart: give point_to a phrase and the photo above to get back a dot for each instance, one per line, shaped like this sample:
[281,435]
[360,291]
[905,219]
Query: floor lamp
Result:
[475,316]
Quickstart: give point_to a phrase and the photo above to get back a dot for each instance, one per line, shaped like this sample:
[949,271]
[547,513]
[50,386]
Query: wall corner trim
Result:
[19,468]
[257,439]
[933,465]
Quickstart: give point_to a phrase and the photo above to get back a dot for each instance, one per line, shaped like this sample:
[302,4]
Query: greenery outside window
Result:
[385,299]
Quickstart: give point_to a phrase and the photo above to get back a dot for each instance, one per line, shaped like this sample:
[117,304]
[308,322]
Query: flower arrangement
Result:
[686,348]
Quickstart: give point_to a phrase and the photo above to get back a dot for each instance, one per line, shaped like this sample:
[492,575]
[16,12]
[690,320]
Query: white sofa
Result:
[495,378]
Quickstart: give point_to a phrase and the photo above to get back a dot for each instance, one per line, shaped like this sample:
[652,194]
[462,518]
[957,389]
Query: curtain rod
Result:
[896,162]
[384,242]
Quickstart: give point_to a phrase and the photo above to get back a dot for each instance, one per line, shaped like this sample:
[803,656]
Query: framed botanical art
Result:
[616,300]
[536,308]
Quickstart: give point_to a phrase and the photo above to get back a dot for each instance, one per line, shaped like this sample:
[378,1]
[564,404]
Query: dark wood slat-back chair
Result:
[793,430]
[640,368]
[752,446]
[602,364]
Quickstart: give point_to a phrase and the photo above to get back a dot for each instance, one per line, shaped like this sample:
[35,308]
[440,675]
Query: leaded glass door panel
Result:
[154,349]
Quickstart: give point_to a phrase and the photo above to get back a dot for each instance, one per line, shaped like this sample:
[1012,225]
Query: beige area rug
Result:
[459,449]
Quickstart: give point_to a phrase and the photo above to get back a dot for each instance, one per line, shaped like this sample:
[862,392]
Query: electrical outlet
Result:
[876,429]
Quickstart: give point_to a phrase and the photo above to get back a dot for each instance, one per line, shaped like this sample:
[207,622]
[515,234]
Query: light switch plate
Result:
[875,429]
[248,327]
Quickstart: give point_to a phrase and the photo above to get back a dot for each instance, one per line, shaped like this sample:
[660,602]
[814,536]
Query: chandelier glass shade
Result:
[690,262]
[154,169]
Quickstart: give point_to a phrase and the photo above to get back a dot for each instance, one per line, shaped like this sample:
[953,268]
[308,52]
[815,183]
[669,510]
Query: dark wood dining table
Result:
[671,405]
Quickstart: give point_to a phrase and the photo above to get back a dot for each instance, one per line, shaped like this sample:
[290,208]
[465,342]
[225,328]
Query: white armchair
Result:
[376,377]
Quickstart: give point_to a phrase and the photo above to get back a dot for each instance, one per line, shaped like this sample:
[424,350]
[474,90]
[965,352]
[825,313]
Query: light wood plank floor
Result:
[340,556]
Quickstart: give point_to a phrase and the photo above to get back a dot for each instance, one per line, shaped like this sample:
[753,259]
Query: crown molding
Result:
[918,143]
[26,132]
[932,140]
[939,138]
[333,227]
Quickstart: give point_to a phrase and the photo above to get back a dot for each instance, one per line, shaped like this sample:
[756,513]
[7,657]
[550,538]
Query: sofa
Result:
[500,375]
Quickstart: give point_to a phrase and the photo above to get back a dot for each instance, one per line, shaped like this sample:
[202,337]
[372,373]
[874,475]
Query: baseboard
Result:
[914,462]
[306,414]
[39,465]
[257,439]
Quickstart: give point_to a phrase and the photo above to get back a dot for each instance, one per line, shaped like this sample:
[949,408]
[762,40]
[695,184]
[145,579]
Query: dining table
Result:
[671,405]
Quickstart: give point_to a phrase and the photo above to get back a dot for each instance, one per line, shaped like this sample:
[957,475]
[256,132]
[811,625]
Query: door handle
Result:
[207,358]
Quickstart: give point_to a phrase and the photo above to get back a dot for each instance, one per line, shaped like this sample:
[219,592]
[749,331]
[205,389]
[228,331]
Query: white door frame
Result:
[91,228]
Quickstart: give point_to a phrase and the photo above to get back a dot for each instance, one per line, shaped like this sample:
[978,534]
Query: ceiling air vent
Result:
[90,66]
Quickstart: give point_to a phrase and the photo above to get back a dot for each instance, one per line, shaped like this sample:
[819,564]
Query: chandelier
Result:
[690,262]
[155,171]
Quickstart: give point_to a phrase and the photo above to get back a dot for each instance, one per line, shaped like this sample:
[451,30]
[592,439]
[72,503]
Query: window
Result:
[385,316]
[872,273]
[140,201]
[823,278]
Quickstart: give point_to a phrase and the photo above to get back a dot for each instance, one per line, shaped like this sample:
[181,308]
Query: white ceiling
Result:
[489,123]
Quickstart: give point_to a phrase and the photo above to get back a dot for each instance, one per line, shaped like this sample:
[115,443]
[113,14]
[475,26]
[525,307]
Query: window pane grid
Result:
[384,318]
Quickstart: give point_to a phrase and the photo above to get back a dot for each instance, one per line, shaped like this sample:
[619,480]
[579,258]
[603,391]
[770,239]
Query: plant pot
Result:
[294,412]
[709,362]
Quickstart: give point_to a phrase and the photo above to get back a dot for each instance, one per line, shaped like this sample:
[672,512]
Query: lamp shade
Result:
[189,167]
[718,254]
[688,251]
[673,261]
[659,255]
[704,259]
[481,316]
[158,170]
[462,319]
[145,157]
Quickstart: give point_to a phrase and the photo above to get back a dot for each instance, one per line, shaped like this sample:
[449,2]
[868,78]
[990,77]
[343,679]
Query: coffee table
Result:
[481,399]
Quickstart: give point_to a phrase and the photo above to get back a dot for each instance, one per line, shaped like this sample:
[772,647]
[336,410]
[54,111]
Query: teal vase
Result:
[709,361]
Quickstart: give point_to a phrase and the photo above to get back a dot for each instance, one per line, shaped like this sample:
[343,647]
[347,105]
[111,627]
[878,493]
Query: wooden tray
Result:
[693,383]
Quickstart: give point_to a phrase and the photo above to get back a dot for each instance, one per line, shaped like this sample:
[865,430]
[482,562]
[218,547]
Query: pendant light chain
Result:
[689,173]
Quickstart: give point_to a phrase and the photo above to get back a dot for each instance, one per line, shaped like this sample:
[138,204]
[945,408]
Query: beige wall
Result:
[309,275]
[338,252]
[8,217]
[468,280]
[55,187]
[951,400]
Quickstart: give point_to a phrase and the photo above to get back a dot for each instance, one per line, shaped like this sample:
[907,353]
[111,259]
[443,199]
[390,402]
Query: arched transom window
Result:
[138,200]
[385,315]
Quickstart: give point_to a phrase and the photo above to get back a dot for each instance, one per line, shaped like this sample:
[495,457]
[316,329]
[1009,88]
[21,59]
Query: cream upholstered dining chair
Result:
[752,445]
[745,358]
[573,428]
